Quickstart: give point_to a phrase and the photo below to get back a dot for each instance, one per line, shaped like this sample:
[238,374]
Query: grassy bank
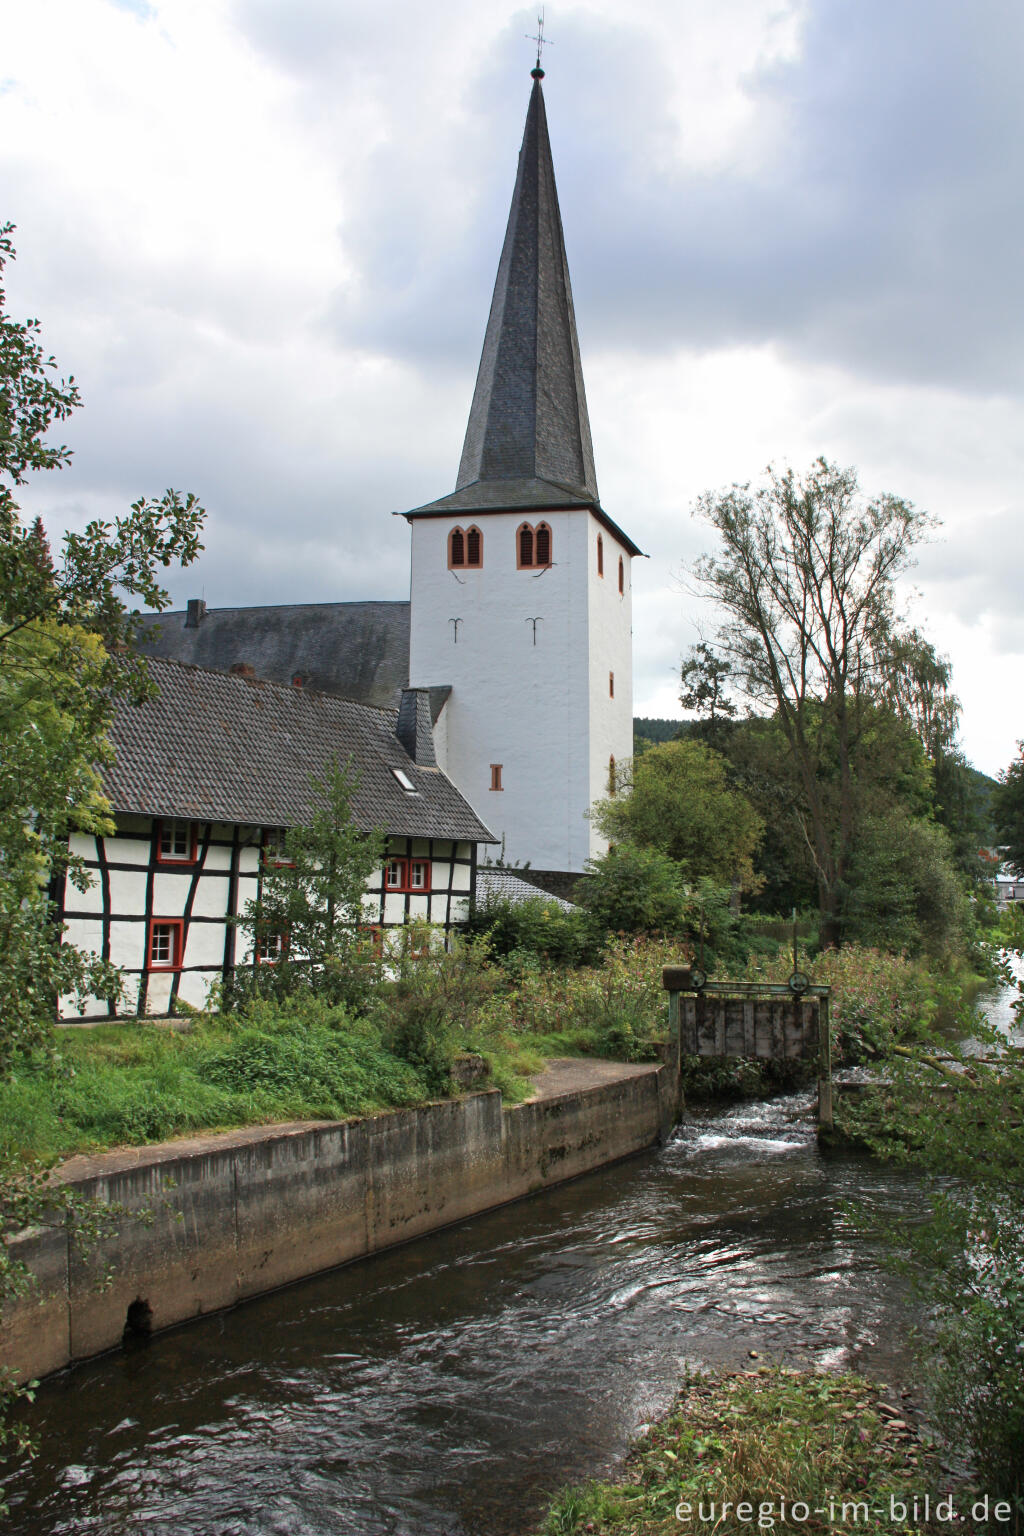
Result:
[754,1441]
[128,1084]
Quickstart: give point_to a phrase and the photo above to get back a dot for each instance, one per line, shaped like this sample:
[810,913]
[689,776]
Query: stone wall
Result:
[211,1220]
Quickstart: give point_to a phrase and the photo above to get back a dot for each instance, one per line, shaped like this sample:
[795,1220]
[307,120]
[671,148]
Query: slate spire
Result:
[528,421]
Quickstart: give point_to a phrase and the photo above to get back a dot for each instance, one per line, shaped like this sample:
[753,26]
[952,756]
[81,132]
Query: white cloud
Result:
[263,237]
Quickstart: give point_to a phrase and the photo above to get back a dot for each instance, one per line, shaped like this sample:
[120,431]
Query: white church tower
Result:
[521,590]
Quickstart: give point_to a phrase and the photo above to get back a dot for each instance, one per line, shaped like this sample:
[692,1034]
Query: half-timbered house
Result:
[206,777]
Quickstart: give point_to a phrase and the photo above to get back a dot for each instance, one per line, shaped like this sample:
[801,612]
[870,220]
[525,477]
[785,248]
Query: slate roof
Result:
[358,650]
[504,885]
[528,442]
[218,747]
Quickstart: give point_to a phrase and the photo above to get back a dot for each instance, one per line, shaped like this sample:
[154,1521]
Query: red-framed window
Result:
[176,841]
[465,549]
[533,546]
[165,944]
[407,875]
[271,947]
[496,776]
[611,685]
[373,935]
[622,576]
[416,941]
[600,555]
[273,850]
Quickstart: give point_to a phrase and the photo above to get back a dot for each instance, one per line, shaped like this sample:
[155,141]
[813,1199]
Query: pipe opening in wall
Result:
[138,1324]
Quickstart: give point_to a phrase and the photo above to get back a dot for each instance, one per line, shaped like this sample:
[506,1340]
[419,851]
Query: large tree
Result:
[1008,812]
[681,803]
[65,660]
[805,573]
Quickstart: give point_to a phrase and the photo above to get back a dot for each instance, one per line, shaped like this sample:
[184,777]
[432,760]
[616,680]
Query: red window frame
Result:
[374,932]
[176,927]
[272,844]
[158,837]
[465,548]
[404,868]
[600,555]
[496,783]
[524,547]
[611,685]
[262,941]
[622,577]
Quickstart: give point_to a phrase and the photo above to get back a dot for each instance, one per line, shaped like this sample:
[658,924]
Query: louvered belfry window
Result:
[474,547]
[533,546]
[456,548]
[525,545]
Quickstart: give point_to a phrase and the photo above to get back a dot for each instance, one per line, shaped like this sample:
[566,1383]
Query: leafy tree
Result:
[634,890]
[805,573]
[680,803]
[307,920]
[903,892]
[705,680]
[65,659]
[1008,812]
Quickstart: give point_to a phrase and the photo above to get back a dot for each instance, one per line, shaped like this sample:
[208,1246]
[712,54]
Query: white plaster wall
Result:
[611,650]
[522,705]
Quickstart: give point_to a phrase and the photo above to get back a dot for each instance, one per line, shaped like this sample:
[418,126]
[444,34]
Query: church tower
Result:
[521,590]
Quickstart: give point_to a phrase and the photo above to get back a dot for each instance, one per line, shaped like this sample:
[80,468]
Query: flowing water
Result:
[452,1386]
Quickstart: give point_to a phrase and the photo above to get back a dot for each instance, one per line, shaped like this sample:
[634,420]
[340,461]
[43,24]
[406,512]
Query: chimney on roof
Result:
[241,669]
[195,613]
[414,729]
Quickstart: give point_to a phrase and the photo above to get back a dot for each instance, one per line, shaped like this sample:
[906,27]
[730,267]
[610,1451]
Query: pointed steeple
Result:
[529,420]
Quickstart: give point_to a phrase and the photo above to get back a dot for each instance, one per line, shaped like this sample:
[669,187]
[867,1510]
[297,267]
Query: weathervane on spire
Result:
[536,72]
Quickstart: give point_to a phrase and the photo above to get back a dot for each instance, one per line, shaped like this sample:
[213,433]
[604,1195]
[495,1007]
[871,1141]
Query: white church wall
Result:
[515,703]
[611,656]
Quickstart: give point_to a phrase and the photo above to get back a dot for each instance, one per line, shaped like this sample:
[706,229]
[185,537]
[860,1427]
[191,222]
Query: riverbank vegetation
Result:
[763,1450]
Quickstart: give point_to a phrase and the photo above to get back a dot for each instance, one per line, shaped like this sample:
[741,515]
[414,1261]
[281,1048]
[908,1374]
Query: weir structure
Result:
[765,1021]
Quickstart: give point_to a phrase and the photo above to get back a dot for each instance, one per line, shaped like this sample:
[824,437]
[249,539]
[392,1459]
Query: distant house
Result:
[1009,887]
[207,776]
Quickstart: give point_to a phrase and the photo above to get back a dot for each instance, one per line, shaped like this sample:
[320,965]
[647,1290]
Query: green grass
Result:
[128,1084]
[758,1439]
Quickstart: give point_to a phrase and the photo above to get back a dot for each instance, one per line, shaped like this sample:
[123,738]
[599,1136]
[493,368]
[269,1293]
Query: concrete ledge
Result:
[206,1221]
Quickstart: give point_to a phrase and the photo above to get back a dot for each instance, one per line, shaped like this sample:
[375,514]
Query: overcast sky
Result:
[262,234]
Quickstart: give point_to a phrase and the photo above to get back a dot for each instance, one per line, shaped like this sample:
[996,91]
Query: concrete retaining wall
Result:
[211,1220]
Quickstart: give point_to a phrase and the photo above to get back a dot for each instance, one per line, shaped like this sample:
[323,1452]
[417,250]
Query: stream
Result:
[450,1387]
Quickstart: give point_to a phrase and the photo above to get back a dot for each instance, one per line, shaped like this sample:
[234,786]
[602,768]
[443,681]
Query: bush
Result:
[634,890]
[536,930]
[429,1008]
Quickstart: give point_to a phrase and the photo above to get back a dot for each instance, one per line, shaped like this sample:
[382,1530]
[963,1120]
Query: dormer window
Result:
[465,549]
[533,547]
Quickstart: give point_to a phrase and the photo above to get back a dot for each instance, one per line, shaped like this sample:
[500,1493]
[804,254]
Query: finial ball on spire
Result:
[536,73]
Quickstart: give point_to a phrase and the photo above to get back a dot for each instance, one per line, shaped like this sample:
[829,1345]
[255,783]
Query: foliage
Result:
[429,1006]
[761,1441]
[681,804]
[1008,813]
[648,729]
[903,890]
[65,634]
[956,1115]
[616,1009]
[704,679]
[527,933]
[310,904]
[634,890]
[806,576]
[127,1084]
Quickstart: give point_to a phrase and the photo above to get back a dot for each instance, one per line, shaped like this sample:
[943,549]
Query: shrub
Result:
[634,890]
[539,928]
